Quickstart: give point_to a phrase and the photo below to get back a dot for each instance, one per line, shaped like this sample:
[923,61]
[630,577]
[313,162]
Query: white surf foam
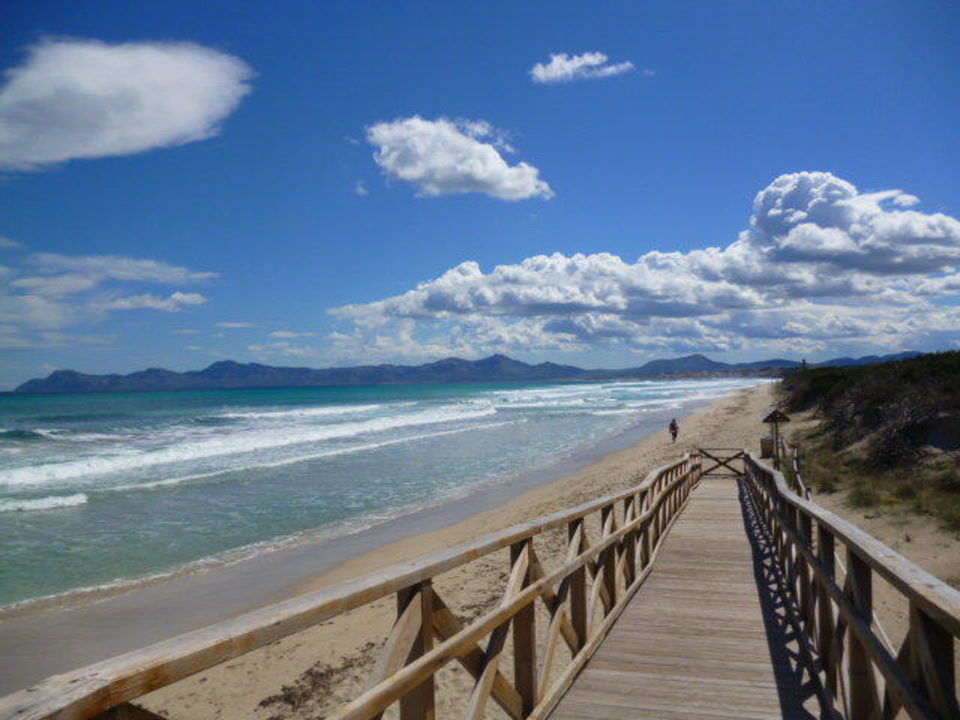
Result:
[300,412]
[233,443]
[156,484]
[45,503]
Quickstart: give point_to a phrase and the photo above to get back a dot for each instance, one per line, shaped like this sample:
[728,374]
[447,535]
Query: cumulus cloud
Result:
[49,293]
[586,66]
[820,262]
[447,157]
[75,99]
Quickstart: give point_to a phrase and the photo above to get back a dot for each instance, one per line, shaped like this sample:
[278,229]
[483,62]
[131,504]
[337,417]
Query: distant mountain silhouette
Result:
[229,374]
[870,359]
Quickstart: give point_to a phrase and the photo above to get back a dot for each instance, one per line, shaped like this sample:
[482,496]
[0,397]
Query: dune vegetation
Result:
[888,433]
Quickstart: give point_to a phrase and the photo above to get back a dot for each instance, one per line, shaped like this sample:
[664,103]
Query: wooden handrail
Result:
[593,585]
[865,676]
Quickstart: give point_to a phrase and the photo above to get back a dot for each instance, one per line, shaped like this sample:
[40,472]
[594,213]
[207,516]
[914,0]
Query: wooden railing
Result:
[868,679]
[583,596]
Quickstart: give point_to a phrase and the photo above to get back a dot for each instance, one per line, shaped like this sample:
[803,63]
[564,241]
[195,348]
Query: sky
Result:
[324,183]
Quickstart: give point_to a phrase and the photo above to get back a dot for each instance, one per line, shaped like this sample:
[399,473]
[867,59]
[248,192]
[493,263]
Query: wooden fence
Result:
[583,597]
[869,679]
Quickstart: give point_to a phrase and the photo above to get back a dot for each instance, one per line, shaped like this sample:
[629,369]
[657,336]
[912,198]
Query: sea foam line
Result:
[45,503]
[299,459]
[300,412]
[235,443]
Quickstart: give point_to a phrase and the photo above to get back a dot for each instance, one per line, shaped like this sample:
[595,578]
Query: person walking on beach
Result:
[674,429]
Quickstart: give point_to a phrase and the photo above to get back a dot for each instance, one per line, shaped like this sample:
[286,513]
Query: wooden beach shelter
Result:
[775,418]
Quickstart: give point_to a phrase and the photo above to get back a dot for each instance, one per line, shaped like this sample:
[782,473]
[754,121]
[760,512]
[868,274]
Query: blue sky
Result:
[172,167]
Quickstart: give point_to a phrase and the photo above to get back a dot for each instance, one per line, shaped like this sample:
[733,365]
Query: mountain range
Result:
[229,374]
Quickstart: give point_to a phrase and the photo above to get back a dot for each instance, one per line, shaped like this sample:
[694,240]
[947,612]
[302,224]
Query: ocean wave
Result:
[25,435]
[235,443]
[45,503]
[299,412]
[79,417]
[226,558]
[167,482]
[538,394]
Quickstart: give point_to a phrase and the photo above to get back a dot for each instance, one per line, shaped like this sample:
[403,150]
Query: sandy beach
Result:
[308,674]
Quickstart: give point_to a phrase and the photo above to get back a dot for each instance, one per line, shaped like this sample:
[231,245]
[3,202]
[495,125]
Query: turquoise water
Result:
[113,488]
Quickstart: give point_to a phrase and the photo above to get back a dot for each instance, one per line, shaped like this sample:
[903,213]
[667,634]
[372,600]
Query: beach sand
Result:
[309,674]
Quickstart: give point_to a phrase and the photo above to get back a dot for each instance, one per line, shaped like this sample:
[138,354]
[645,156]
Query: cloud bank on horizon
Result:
[564,68]
[820,262]
[47,295]
[74,99]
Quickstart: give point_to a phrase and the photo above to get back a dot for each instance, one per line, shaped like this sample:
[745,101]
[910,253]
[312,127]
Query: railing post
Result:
[578,586]
[826,556]
[861,681]
[609,556]
[644,532]
[524,642]
[933,654]
[419,703]
[790,545]
[630,513]
[807,597]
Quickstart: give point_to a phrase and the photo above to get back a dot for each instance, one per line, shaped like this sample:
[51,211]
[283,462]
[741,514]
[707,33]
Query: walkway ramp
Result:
[705,636]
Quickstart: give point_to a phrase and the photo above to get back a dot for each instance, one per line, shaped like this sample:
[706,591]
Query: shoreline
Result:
[307,674]
[98,624]
[387,527]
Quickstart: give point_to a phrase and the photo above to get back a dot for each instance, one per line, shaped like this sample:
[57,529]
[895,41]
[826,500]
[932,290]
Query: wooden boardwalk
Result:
[699,597]
[706,636]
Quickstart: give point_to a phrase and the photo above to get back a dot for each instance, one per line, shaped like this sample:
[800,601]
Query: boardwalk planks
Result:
[695,641]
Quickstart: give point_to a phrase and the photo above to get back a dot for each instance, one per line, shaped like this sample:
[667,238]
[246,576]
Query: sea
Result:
[102,491]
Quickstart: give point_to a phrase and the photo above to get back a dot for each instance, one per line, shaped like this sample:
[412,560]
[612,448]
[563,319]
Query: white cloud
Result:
[587,66]
[446,157]
[235,325]
[48,293]
[287,334]
[282,349]
[115,267]
[86,99]
[821,262]
[360,189]
[173,303]
[57,285]
[8,243]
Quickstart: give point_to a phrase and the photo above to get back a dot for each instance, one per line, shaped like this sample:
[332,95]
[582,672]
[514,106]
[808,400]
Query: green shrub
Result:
[905,491]
[951,517]
[863,495]
[947,481]
[827,484]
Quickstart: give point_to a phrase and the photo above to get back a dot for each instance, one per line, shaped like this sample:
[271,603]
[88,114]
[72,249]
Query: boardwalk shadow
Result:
[798,688]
